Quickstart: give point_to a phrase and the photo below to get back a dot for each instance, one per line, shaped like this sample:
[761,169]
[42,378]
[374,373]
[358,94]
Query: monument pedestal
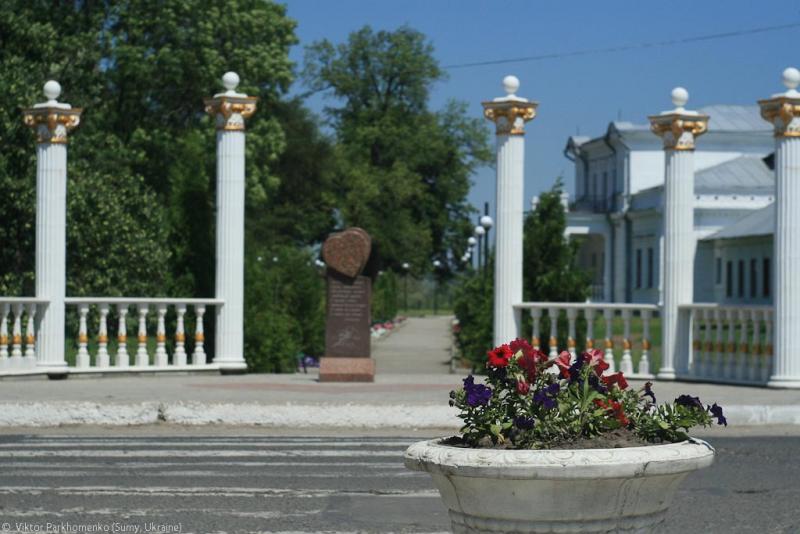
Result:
[346,370]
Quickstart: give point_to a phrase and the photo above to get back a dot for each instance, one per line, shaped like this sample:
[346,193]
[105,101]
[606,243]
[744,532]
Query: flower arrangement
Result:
[532,402]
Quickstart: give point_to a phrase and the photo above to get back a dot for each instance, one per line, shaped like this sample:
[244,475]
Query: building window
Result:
[650,267]
[638,268]
[729,279]
[753,278]
[719,271]
[740,285]
[766,273]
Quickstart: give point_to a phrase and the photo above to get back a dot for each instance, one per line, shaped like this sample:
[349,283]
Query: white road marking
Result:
[163,453]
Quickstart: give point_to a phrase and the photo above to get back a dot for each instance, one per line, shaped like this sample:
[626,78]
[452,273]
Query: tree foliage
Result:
[401,170]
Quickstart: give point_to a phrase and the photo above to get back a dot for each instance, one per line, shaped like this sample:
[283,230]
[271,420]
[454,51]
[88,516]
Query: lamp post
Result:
[406,267]
[436,265]
[486,224]
[479,233]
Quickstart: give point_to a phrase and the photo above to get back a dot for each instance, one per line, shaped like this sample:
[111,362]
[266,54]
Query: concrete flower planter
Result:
[586,490]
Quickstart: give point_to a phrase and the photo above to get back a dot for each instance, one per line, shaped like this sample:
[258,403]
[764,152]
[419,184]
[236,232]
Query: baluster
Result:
[552,313]
[161,359]
[766,368]
[741,360]
[103,360]
[589,315]
[199,355]
[626,364]
[179,357]
[697,345]
[123,360]
[754,365]
[536,316]
[4,363]
[15,362]
[719,362]
[142,357]
[708,344]
[83,360]
[29,362]
[608,315]
[644,361]
[572,314]
[730,358]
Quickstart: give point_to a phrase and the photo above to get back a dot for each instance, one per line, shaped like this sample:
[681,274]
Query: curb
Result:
[290,415]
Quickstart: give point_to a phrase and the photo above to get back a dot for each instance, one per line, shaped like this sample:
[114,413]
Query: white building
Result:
[617,209]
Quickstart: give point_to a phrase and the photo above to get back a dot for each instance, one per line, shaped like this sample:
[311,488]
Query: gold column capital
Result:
[509,116]
[679,129]
[783,112]
[52,124]
[230,112]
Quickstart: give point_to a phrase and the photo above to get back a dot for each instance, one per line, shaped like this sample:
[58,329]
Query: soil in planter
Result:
[615,439]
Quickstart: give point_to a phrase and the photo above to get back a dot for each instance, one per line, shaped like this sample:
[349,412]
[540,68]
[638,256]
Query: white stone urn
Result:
[584,490]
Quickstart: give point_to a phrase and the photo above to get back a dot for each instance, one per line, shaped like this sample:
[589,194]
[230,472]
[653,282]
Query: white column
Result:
[52,120]
[509,113]
[678,128]
[783,111]
[230,109]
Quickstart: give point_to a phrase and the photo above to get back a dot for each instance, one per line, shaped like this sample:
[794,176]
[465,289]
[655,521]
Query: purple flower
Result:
[594,381]
[716,411]
[689,401]
[523,423]
[477,394]
[648,391]
[545,396]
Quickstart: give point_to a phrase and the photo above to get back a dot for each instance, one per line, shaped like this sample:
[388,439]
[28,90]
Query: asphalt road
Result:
[220,481]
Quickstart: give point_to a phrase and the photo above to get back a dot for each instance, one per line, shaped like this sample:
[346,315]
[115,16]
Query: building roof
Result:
[748,173]
[728,118]
[758,223]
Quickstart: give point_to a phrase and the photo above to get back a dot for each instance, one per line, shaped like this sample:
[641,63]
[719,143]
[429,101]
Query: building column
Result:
[678,128]
[783,111]
[509,113]
[230,109]
[52,121]
[619,275]
[608,252]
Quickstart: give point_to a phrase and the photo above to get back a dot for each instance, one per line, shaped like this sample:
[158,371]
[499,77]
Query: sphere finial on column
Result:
[52,90]
[511,85]
[230,80]
[791,79]
[680,97]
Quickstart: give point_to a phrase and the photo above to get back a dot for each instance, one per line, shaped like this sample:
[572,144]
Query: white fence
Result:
[620,349]
[18,334]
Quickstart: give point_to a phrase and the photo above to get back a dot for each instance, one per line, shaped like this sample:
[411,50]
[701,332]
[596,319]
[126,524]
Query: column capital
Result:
[230,109]
[52,120]
[782,110]
[679,127]
[510,112]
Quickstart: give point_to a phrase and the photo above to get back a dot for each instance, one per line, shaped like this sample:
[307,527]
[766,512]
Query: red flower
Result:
[529,362]
[615,407]
[563,362]
[520,344]
[499,356]
[595,358]
[617,379]
[523,387]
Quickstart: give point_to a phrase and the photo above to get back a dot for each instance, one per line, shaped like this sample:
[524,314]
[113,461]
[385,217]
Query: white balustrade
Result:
[18,339]
[586,314]
[93,316]
[730,344]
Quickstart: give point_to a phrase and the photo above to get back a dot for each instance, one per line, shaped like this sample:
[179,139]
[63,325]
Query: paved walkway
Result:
[420,346]
[410,391]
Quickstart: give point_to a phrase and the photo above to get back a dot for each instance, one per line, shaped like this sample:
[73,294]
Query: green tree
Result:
[392,150]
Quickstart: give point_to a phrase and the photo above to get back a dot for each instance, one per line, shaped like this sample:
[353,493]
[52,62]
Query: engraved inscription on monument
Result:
[347,325]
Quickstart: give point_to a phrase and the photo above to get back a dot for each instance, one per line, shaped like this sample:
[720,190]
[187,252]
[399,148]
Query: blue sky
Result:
[579,94]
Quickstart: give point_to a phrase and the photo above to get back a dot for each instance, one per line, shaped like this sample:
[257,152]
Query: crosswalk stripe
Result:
[218,491]
[97,453]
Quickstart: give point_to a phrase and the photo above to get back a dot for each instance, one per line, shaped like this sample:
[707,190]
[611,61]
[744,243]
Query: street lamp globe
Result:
[406,266]
[437,264]
[479,231]
[472,241]
[487,222]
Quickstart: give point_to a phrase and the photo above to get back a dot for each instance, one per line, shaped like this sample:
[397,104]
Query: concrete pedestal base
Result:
[346,370]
